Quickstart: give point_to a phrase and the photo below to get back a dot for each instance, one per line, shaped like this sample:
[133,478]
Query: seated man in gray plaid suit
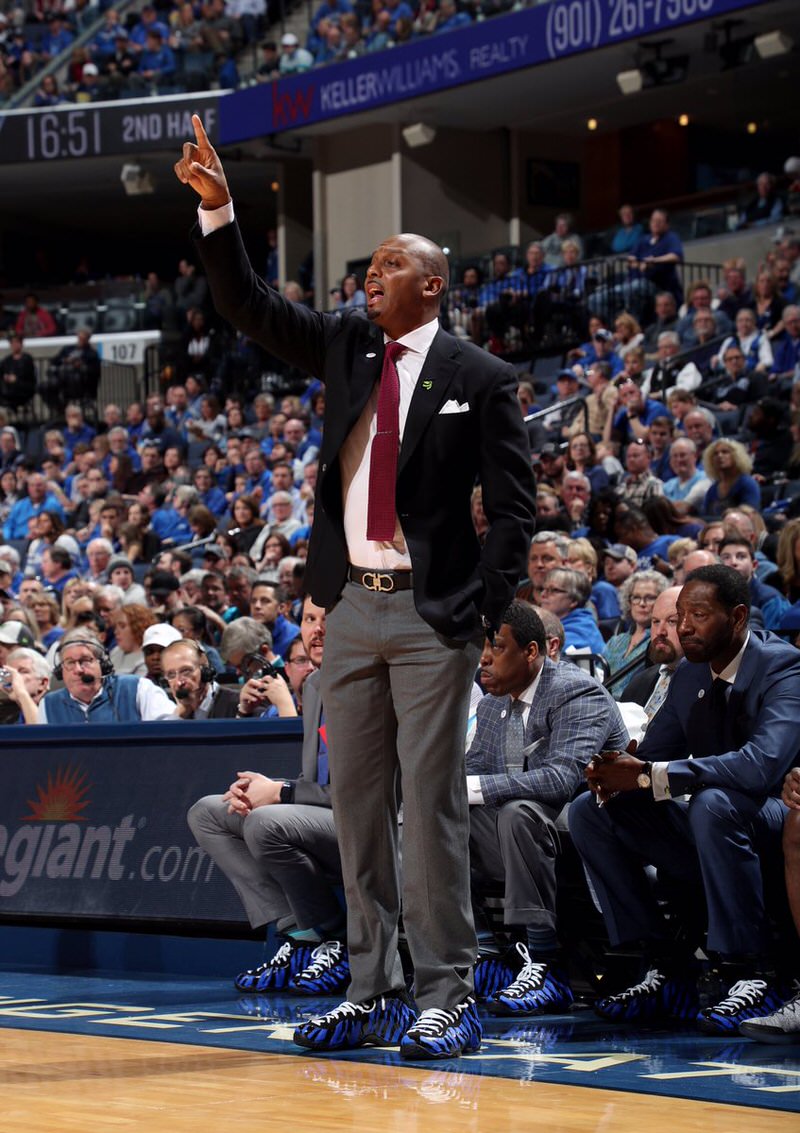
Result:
[536,731]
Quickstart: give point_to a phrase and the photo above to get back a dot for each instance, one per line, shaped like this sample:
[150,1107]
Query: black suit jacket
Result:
[224,704]
[442,455]
[640,686]
[763,708]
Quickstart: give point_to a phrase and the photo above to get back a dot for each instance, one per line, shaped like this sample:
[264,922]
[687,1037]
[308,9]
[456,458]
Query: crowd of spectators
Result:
[195,44]
[628,298]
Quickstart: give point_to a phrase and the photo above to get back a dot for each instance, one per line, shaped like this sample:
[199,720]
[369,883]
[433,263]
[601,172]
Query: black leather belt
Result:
[381,581]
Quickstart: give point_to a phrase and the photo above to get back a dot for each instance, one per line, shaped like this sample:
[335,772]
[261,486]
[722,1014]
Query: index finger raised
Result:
[200,131]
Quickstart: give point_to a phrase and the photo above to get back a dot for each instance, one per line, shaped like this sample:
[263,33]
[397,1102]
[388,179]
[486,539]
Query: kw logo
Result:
[288,108]
[63,798]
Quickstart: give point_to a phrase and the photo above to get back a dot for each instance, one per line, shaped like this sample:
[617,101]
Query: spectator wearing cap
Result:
[294,58]
[90,88]
[604,345]
[155,640]
[163,591]
[120,573]
[619,563]
[552,466]
[558,421]
[14,635]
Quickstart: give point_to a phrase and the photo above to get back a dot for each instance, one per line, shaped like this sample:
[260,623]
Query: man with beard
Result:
[725,736]
[665,652]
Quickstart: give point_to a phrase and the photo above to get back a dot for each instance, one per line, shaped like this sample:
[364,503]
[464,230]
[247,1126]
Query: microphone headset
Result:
[106,665]
[207,671]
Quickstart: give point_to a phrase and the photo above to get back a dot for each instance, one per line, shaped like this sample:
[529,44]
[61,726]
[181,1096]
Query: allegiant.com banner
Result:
[93,819]
[541,34]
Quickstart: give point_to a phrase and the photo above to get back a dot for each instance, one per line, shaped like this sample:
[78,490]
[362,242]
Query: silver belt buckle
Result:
[377,581]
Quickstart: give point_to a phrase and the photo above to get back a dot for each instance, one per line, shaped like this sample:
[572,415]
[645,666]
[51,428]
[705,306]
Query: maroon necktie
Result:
[381,512]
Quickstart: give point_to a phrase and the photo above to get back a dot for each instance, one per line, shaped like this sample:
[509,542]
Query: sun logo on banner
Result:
[62,799]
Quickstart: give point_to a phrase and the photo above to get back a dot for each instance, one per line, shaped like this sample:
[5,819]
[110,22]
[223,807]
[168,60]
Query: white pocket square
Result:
[453,406]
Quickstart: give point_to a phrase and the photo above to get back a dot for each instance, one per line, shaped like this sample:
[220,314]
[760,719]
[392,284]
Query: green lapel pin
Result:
[427,385]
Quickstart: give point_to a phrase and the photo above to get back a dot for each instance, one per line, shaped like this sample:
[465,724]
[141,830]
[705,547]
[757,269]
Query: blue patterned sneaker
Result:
[747,999]
[276,974]
[781,1026]
[491,973]
[328,972]
[656,997]
[443,1034]
[539,989]
[375,1022]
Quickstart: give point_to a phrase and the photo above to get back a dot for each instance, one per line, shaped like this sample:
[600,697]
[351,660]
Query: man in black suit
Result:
[725,736]
[395,560]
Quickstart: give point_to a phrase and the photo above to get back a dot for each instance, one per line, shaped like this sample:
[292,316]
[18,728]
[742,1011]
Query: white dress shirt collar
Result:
[728,674]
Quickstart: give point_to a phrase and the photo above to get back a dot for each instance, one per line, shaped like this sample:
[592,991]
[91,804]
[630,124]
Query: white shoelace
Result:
[745,993]
[324,957]
[435,1020]
[651,982]
[281,957]
[345,1010]
[530,973]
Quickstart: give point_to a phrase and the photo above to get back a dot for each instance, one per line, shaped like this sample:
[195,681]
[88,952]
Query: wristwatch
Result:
[287,792]
[643,779]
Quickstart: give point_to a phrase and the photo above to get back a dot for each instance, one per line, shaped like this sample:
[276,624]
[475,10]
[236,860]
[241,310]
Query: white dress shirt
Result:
[659,773]
[356,450]
[474,792]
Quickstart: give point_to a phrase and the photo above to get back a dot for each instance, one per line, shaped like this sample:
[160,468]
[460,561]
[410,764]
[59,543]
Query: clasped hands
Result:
[251,790]
[610,772]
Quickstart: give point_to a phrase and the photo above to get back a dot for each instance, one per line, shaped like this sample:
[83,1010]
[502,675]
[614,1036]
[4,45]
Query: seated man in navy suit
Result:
[726,735]
[536,732]
[783,1026]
